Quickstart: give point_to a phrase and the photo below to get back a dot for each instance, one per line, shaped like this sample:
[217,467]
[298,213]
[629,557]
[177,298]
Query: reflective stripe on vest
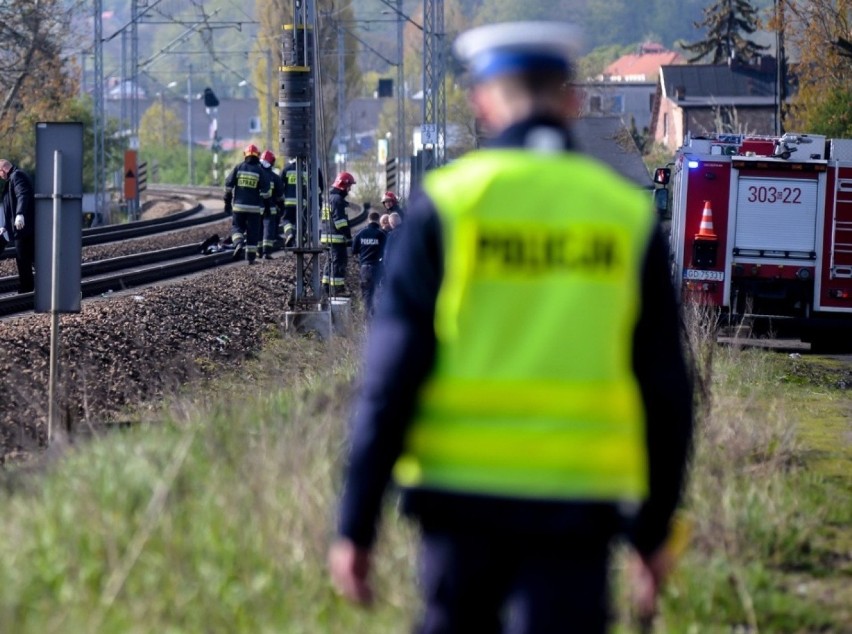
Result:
[330,233]
[533,394]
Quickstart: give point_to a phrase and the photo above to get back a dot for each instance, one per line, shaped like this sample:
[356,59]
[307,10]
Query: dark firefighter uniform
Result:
[526,385]
[336,234]
[369,247]
[290,178]
[247,188]
[274,205]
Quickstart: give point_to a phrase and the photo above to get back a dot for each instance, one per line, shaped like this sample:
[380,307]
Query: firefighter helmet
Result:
[251,150]
[268,156]
[344,181]
[390,197]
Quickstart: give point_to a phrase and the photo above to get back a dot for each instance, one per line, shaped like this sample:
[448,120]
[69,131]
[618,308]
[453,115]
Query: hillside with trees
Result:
[46,52]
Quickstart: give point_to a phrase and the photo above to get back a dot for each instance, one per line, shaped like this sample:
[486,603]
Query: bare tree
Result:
[819,30]
[31,46]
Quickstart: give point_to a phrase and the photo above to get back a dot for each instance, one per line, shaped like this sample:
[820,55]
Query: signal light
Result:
[692,164]
[839,293]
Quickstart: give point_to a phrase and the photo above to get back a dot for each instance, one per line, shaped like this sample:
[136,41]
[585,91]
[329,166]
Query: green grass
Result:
[214,514]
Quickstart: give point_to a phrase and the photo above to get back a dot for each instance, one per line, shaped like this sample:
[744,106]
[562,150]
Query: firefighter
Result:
[336,234]
[525,379]
[247,188]
[369,246]
[272,207]
[391,203]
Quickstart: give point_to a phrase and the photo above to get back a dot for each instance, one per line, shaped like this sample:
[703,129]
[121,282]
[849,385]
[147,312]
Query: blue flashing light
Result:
[692,164]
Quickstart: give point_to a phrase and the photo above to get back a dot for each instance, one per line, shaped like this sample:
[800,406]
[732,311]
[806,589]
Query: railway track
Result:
[119,273]
[128,271]
[191,217]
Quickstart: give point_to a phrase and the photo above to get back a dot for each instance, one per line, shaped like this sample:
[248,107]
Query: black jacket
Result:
[399,356]
[249,186]
[276,200]
[19,198]
[369,244]
[336,222]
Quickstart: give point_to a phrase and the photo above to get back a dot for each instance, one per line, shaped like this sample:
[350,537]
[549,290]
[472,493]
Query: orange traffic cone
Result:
[705,229]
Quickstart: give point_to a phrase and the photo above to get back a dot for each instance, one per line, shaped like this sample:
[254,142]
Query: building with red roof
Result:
[644,65]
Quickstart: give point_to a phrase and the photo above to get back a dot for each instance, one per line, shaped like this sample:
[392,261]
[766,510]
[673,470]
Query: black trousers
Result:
[371,276]
[25,259]
[514,584]
[246,225]
[334,273]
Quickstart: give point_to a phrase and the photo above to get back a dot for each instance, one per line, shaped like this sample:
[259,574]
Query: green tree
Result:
[36,81]
[728,23]
[819,30]
[161,127]
[593,64]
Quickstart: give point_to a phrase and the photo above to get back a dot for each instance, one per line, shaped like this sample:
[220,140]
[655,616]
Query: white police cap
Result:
[497,49]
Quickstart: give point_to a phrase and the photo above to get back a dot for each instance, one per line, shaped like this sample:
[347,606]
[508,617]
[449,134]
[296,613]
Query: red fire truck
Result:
[762,227]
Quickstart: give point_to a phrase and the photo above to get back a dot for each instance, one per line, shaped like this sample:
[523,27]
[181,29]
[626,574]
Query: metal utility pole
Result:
[191,167]
[299,139]
[122,85]
[433,131]
[400,97]
[134,75]
[780,69]
[99,162]
[341,97]
[269,98]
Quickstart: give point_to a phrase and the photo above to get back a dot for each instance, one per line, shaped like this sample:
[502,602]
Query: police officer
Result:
[369,246]
[336,234]
[18,222]
[272,207]
[247,188]
[526,384]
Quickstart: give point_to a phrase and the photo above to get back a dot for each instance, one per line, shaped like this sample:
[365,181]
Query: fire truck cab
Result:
[762,228]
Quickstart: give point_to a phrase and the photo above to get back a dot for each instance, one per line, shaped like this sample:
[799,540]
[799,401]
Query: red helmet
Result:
[268,156]
[251,150]
[390,197]
[344,181]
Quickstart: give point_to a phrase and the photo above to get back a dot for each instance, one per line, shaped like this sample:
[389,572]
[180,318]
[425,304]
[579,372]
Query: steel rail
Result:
[141,228]
[9,284]
[126,278]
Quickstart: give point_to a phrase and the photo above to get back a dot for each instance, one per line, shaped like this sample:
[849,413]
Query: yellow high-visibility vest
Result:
[533,393]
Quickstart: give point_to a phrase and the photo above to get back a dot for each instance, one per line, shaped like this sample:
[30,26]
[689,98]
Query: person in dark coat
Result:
[526,384]
[19,221]
[369,247]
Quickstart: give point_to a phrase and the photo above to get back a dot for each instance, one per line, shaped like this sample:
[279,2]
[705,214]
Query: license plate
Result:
[708,276]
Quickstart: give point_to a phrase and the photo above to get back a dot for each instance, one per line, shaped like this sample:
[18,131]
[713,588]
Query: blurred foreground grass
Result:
[215,512]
